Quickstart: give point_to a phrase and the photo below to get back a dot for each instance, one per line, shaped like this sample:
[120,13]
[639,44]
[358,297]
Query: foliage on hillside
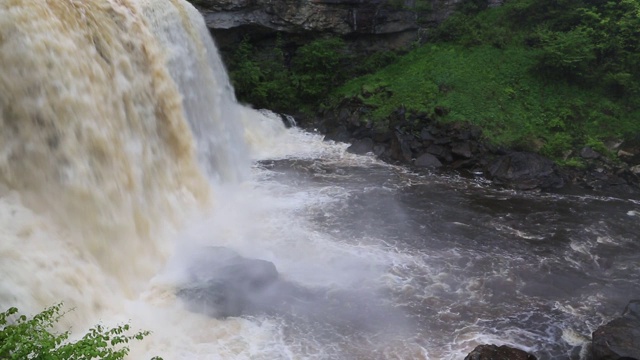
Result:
[33,338]
[543,75]
[296,80]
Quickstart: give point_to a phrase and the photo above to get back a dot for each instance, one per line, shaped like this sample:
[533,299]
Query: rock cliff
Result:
[396,22]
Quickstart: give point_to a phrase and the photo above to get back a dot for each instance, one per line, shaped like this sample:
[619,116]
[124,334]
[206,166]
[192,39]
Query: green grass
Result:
[540,75]
[514,71]
[496,89]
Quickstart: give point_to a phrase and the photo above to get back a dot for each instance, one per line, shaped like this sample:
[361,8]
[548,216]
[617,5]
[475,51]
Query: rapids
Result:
[122,149]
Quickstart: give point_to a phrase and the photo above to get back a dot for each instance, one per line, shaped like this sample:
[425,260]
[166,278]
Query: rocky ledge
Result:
[335,16]
[372,23]
[418,140]
[231,20]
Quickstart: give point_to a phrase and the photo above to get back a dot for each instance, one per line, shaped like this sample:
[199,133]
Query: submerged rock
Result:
[224,283]
[620,338]
[493,352]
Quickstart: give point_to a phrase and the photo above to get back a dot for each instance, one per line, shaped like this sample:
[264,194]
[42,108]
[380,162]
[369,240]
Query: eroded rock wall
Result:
[370,24]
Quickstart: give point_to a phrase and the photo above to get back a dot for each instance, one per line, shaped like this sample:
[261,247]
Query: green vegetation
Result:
[297,80]
[267,80]
[549,76]
[540,75]
[32,338]
[492,88]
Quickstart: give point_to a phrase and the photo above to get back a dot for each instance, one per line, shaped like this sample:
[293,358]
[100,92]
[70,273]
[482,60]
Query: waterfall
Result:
[116,118]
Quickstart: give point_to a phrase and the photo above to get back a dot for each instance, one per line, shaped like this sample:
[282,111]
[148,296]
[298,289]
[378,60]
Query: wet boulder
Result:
[339,134]
[524,171]
[225,284]
[428,161]
[442,152]
[462,149]
[493,352]
[620,338]
[361,146]
[222,283]
[401,147]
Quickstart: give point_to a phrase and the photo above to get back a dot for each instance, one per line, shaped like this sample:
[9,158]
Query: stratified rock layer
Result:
[379,24]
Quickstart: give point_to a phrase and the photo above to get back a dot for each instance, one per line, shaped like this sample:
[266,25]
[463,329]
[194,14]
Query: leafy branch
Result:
[22,337]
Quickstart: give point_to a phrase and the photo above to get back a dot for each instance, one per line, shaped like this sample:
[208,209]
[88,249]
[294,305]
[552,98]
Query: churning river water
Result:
[463,263]
[123,149]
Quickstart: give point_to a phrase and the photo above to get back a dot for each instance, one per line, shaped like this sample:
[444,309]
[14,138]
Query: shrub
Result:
[268,79]
[33,338]
[569,54]
[316,67]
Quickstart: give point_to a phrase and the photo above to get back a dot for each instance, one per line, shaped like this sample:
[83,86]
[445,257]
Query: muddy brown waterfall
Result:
[98,164]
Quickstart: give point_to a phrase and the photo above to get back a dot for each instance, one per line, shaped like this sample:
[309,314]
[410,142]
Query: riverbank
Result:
[415,139]
[532,95]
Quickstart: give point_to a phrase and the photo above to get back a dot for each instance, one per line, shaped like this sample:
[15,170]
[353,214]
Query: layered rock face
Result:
[335,16]
[394,22]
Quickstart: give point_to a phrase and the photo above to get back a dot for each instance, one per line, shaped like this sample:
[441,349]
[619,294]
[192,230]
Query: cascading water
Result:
[98,165]
[119,131]
[97,159]
[122,149]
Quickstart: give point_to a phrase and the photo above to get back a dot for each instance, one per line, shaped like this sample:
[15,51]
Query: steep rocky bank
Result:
[418,140]
[411,138]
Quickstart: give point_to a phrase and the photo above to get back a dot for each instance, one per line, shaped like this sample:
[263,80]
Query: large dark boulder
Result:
[462,149]
[428,161]
[524,171]
[223,283]
[339,134]
[493,352]
[620,338]
[442,152]
[361,146]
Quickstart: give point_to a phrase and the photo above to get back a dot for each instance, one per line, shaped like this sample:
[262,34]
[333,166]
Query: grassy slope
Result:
[496,89]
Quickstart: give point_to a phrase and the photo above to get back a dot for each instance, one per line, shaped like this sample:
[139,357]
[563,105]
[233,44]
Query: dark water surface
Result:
[483,265]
